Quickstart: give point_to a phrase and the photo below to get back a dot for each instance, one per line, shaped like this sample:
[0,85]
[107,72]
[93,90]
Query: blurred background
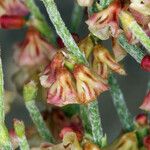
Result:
[133,85]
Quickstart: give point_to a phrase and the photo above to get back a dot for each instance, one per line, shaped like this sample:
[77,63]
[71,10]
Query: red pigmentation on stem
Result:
[11,22]
[145,63]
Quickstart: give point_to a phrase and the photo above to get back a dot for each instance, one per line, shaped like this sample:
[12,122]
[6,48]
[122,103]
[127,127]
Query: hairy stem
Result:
[120,105]
[130,23]
[133,50]
[40,21]
[78,56]
[29,93]
[63,32]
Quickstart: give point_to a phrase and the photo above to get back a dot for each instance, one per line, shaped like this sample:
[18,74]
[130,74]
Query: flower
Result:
[102,55]
[85,2]
[141,119]
[86,45]
[49,75]
[13,7]
[33,50]
[105,23]
[70,142]
[118,51]
[146,103]
[62,91]
[145,63]
[89,85]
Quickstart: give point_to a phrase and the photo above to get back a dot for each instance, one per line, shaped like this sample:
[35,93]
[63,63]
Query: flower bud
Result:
[141,119]
[89,85]
[145,63]
[146,142]
[101,54]
[11,22]
[146,103]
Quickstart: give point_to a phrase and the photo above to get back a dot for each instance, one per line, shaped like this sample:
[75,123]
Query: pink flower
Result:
[145,63]
[62,91]
[85,2]
[89,85]
[13,7]
[49,75]
[102,55]
[146,103]
[105,23]
[33,50]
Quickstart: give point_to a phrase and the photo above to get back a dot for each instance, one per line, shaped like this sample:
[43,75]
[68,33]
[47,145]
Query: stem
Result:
[5,143]
[129,22]
[133,50]
[96,125]
[120,105]
[40,23]
[20,132]
[79,57]
[2,113]
[29,93]
[76,18]
[63,32]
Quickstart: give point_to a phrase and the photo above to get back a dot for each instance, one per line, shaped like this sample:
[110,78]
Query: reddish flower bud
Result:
[62,91]
[101,54]
[146,103]
[34,50]
[11,22]
[141,119]
[89,85]
[146,142]
[145,63]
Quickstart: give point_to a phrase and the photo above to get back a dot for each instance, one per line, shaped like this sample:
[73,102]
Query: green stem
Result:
[77,55]
[129,22]
[76,18]
[40,21]
[2,113]
[96,125]
[20,132]
[30,92]
[120,105]
[63,32]
[133,50]
[5,143]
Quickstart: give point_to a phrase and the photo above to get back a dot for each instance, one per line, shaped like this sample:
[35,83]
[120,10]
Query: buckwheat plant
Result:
[67,73]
